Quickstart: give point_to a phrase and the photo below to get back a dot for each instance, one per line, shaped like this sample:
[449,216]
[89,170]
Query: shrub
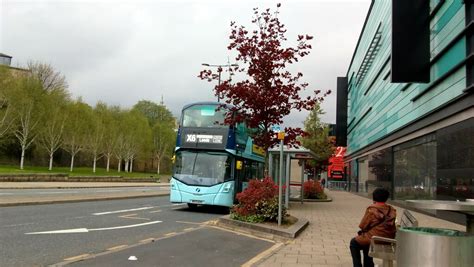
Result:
[258,202]
[313,190]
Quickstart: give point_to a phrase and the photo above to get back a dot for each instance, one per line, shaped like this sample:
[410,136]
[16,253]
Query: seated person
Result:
[378,220]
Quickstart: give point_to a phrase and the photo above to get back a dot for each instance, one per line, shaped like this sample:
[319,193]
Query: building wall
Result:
[416,139]
[390,106]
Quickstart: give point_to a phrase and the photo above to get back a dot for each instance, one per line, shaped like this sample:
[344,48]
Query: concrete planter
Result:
[264,230]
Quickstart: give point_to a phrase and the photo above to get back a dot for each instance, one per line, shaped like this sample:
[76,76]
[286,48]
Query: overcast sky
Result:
[121,52]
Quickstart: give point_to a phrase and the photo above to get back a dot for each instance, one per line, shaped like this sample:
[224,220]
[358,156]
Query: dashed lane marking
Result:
[77,257]
[170,234]
[117,247]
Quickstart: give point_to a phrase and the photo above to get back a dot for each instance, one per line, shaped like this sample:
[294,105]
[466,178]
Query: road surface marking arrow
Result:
[85,230]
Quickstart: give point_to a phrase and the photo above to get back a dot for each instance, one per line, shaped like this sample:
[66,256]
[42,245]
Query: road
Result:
[78,191]
[49,234]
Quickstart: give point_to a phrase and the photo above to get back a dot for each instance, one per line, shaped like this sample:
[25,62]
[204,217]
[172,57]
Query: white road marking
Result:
[121,211]
[85,230]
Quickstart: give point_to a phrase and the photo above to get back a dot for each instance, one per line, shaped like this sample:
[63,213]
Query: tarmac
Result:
[15,200]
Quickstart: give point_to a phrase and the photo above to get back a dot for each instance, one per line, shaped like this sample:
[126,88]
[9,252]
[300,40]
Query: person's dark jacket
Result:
[378,220]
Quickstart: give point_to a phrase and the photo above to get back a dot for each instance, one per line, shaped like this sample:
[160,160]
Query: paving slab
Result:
[325,242]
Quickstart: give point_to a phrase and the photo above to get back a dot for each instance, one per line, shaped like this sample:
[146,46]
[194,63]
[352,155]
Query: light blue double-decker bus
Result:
[212,161]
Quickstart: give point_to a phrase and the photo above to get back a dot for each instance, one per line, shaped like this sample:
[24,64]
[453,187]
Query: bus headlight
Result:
[227,188]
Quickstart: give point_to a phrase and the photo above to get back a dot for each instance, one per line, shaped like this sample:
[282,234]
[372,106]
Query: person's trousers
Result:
[355,253]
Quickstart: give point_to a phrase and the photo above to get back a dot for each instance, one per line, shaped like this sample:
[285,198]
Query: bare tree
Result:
[50,79]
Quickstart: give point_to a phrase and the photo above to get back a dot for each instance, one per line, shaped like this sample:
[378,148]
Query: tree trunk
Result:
[72,162]
[108,163]
[95,161]
[126,165]
[50,161]
[22,159]
[158,168]
[131,165]
[119,165]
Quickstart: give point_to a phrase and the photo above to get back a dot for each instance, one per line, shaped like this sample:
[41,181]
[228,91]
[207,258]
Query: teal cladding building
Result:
[415,138]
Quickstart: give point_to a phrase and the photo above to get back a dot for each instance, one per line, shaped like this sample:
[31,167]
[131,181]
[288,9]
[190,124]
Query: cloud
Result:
[123,51]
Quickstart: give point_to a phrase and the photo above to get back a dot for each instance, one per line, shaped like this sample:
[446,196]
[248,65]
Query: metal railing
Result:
[337,185]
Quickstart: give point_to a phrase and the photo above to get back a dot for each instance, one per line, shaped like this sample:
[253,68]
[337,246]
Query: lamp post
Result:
[219,70]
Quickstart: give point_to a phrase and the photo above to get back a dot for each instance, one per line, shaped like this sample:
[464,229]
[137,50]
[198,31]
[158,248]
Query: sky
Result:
[121,52]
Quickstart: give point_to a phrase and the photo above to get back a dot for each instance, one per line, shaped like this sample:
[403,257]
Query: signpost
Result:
[281,137]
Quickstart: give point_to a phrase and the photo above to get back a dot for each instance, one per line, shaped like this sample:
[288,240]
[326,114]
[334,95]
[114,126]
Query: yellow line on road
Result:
[117,247]
[190,222]
[170,234]
[265,254]
[189,229]
[147,240]
[77,257]
[130,216]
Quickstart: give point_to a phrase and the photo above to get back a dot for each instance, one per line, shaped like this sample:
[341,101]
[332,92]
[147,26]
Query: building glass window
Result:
[455,162]
[380,170]
[353,176]
[363,174]
[415,169]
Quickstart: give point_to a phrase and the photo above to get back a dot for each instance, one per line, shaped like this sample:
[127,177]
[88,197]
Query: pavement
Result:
[33,193]
[332,225]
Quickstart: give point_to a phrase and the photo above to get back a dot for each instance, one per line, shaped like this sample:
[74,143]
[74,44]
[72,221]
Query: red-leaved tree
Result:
[270,91]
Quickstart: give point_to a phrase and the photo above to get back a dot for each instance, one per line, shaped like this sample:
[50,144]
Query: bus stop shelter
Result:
[294,161]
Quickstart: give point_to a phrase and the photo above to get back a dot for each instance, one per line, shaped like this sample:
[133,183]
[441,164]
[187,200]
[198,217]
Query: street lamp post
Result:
[219,70]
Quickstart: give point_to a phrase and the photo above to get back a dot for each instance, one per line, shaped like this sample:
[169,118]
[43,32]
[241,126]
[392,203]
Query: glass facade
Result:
[415,169]
[455,161]
[435,166]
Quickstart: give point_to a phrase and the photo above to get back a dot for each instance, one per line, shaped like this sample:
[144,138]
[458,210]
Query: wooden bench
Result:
[385,248]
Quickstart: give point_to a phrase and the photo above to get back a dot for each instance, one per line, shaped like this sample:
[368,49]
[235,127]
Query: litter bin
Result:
[433,247]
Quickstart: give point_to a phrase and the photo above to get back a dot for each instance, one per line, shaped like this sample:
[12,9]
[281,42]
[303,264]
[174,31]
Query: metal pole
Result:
[280,183]
[302,180]
[219,83]
[287,179]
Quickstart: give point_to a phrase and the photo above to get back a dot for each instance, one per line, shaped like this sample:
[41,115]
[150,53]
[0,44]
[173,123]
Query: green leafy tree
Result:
[317,139]
[6,116]
[153,112]
[77,128]
[163,123]
[53,123]
[97,133]
[110,119]
[26,98]
[163,142]
[136,132]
